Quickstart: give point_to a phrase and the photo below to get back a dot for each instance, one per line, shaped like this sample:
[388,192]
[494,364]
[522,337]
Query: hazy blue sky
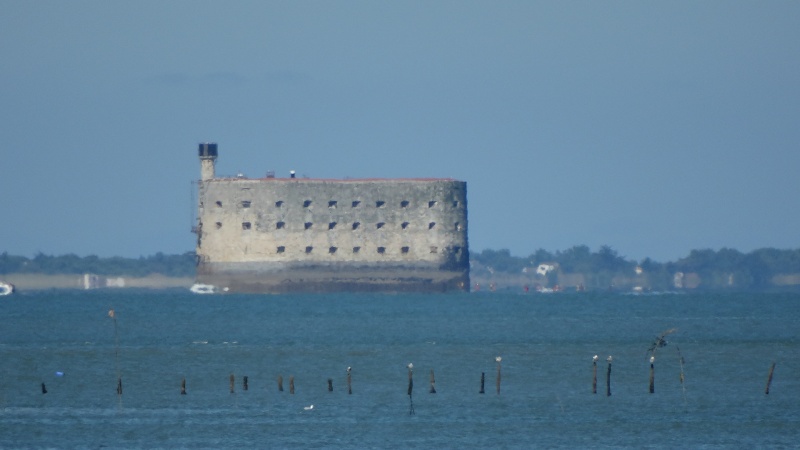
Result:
[652,127]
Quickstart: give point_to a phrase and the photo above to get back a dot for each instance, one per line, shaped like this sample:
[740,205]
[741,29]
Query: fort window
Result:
[246,225]
[404,204]
[455,204]
[280,225]
[281,249]
[279,203]
[219,225]
[379,204]
[332,204]
[431,225]
[404,225]
[380,225]
[434,249]
[219,204]
[306,203]
[356,203]
[404,249]
[309,249]
[332,250]
[308,225]
[356,249]
[456,249]
[332,225]
[431,203]
[381,250]
[245,203]
[356,225]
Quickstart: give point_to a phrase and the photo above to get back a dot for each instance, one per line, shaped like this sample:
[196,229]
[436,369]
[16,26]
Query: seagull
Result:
[498,359]
[609,359]
[308,408]
[410,365]
[652,359]
[594,358]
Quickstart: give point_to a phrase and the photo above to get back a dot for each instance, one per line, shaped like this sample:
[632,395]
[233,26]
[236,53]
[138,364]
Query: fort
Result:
[274,235]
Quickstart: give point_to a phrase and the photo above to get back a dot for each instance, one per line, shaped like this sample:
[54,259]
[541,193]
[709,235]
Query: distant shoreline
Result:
[35,281]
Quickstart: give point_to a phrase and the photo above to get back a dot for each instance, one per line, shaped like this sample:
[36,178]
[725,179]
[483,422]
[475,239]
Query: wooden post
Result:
[119,386]
[330,385]
[280,383]
[44,389]
[769,378]
[183,386]
[244,383]
[652,374]
[433,383]
[594,374]
[483,380]
[349,386]
[232,380]
[410,388]
[498,359]
[608,376]
[291,384]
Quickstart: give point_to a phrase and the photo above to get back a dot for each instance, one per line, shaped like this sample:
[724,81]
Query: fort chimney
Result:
[208,156]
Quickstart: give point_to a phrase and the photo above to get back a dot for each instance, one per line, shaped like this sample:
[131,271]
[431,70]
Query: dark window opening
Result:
[219,225]
[281,249]
[404,204]
[246,225]
[332,225]
[431,225]
[379,204]
[308,225]
[332,250]
[279,203]
[404,249]
[332,204]
[306,203]
[431,203]
[457,226]
[280,225]
[309,248]
[381,250]
[356,225]
[356,249]
[434,249]
[219,204]
[455,204]
[380,224]
[404,225]
[246,203]
[356,203]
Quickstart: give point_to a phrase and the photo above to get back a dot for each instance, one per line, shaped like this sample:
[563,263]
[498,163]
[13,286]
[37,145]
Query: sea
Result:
[114,379]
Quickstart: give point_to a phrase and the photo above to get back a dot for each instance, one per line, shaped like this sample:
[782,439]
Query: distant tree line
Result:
[721,269]
[725,268]
[182,265]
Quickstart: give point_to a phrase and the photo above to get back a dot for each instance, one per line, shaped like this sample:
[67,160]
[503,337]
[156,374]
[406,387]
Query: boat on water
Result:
[6,288]
[199,288]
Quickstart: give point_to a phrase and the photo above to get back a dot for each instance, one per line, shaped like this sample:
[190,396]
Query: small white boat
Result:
[198,288]
[6,288]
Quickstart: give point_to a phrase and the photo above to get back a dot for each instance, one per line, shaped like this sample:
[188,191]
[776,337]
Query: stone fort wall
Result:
[286,234]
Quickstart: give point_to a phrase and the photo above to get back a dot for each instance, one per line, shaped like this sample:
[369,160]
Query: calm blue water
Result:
[546,342]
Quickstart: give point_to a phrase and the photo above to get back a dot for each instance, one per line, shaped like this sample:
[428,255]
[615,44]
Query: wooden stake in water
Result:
[483,380]
[280,383]
[769,378]
[410,388]
[113,316]
[349,386]
[594,374]
[232,380]
[608,376]
[244,383]
[183,386]
[498,359]
[44,389]
[433,383]
[291,384]
[652,374]
[330,384]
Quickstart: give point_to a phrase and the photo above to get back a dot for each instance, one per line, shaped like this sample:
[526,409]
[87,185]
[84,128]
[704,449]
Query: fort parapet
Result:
[318,235]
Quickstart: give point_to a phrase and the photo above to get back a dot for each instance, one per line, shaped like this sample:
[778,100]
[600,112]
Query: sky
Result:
[654,128]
